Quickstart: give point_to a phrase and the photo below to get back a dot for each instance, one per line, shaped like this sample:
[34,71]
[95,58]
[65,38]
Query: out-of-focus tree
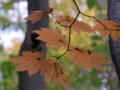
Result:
[36,81]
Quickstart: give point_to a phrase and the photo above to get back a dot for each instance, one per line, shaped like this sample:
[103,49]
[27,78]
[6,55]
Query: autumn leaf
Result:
[56,74]
[34,62]
[108,27]
[64,20]
[87,58]
[51,37]
[78,26]
[36,16]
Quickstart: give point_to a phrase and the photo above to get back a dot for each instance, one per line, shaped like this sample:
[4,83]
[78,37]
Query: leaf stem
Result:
[70,27]
[106,28]
[70,30]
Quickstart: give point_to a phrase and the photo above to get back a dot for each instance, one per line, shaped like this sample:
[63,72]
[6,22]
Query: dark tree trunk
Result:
[114,14]
[35,82]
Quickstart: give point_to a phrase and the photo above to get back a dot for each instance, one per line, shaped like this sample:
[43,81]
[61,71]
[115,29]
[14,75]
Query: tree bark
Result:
[114,14]
[35,82]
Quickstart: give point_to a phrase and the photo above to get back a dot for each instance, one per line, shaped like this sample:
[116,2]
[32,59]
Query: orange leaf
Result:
[112,28]
[77,26]
[34,62]
[87,58]
[36,16]
[52,37]
[56,74]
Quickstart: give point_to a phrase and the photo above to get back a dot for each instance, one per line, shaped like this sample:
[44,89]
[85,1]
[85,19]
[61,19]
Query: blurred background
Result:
[12,33]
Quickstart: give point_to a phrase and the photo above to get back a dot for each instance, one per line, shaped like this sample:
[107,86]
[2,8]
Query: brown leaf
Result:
[87,58]
[51,37]
[56,74]
[36,16]
[34,62]
[77,26]
[112,28]
[64,20]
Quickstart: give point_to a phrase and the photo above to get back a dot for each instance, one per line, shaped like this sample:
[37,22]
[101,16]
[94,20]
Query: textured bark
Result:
[35,82]
[114,14]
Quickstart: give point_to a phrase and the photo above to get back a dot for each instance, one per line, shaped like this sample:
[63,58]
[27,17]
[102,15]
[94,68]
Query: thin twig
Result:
[70,30]
[70,27]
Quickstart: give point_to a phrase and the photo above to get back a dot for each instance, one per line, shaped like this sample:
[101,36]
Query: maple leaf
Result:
[109,27]
[87,58]
[34,62]
[77,26]
[56,74]
[52,37]
[36,16]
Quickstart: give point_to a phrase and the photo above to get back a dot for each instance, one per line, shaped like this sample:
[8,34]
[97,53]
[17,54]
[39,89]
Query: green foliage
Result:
[4,23]
[6,19]
[7,6]
[100,4]
[9,76]
[92,3]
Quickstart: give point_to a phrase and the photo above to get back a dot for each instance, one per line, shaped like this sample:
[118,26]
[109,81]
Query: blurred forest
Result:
[12,33]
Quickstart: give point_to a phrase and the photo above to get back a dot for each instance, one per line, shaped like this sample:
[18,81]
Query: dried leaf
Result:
[112,28]
[77,26]
[34,62]
[52,37]
[36,16]
[87,58]
[56,74]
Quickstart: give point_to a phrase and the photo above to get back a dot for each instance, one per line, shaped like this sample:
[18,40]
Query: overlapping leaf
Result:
[36,16]
[31,61]
[34,62]
[56,74]
[52,37]
[88,59]
[77,26]
[108,27]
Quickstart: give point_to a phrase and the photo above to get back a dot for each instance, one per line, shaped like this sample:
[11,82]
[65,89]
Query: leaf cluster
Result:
[52,67]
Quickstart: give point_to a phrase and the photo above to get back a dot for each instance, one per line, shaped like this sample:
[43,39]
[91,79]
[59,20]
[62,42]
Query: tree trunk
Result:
[35,82]
[114,14]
